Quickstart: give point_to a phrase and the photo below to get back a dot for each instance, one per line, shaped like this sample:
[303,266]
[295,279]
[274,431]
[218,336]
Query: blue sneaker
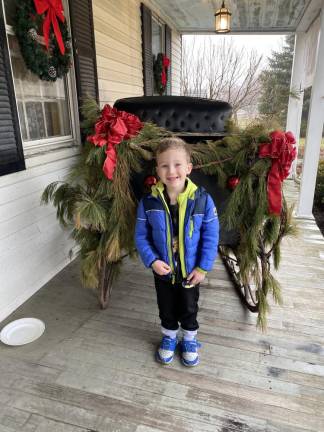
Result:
[165,352]
[189,352]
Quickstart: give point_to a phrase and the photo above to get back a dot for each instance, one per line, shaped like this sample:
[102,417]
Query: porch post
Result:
[314,132]
[295,104]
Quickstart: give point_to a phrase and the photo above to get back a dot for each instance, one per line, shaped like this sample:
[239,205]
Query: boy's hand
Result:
[195,277]
[161,268]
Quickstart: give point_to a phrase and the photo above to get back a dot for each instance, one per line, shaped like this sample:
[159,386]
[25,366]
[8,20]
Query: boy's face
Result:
[173,167]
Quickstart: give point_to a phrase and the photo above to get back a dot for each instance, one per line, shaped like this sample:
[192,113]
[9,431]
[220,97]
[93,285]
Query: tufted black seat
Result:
[194,120]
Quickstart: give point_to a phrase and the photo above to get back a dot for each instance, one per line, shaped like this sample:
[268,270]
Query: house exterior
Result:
[40,131]
[113,45]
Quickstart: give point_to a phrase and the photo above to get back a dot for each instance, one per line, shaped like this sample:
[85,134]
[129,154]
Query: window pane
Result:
[35,118]
[22,121]
[156,38]
[42,105]
[55,119]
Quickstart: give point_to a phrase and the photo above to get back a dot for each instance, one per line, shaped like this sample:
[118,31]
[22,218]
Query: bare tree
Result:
[217,69]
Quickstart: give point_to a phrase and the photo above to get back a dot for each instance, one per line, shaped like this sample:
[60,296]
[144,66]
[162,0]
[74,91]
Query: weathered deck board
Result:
[94,370]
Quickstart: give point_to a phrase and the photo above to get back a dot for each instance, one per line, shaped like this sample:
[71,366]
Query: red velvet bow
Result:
[54,10]
[165,65]
[113,127]
[282,151]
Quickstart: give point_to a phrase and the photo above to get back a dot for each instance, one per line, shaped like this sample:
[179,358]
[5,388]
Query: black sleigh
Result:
[195,120]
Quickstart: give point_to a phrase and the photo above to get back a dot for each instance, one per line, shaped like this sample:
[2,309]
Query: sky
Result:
[263,44]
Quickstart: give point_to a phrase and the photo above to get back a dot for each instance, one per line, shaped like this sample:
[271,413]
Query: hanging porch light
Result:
[223,19]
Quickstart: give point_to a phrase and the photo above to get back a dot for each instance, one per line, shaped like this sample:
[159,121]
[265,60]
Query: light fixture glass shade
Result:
[223,20]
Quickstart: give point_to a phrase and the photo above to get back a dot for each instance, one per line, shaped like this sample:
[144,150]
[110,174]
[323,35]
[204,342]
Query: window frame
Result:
[161,24]
[45,145]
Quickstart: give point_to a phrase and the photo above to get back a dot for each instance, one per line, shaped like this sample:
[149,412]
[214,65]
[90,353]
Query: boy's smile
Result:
[173,167]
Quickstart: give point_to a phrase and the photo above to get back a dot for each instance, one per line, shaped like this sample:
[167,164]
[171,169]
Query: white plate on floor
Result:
[22,331]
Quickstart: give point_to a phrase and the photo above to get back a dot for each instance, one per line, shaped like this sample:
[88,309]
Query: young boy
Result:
[177,236]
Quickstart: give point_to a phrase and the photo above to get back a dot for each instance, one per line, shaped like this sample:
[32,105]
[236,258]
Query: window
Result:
[157,37]
[45,109]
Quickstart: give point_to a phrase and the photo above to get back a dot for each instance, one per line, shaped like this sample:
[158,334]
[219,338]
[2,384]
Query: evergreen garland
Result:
[48,64]
[103,212]
[160,72]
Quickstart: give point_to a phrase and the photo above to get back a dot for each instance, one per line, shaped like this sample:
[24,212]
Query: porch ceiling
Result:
[248,16]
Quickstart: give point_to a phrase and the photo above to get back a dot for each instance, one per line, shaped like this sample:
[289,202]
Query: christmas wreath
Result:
[44,40]
[98,200]
[160,69]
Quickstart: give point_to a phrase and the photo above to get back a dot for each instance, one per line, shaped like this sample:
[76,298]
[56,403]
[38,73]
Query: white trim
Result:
[295,104]
[52,156]
[156,9]
[311,12]
[314,132]
[195,31]
[303,217]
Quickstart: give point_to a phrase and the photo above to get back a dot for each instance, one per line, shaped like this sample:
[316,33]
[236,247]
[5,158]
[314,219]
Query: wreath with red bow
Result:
[160,68]
[43,36]
[111,129]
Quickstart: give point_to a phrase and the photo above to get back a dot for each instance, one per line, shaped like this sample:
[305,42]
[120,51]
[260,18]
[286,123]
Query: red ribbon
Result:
[282,151]
[54,9]
[165,65]
[113,127]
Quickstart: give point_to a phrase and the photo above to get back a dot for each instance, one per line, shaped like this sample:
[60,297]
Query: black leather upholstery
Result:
[179,113]
[193,119]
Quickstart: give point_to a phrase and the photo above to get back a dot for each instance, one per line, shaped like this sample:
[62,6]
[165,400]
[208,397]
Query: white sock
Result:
[189,335]
[171,333]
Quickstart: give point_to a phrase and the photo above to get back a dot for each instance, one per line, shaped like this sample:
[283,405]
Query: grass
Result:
[301,148]
[302,143]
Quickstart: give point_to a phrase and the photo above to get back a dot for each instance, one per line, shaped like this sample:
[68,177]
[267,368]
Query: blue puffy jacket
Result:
[198,229]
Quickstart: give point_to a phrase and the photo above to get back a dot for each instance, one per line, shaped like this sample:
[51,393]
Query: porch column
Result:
[295,104]
[314,132]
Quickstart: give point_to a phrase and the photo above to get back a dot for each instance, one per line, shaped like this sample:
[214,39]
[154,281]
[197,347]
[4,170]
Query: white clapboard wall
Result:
[33,247]
[117,28]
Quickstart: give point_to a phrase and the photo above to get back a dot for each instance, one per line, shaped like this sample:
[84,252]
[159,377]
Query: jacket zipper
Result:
[169,237]
[186,217]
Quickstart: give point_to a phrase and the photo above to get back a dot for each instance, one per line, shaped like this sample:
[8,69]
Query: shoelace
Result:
[190,346]
[167,343]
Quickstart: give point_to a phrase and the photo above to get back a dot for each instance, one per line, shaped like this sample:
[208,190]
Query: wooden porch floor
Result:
[94,370]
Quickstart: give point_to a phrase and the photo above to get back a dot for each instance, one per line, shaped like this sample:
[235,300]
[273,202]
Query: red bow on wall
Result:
[165,65]
[113,127]
[54,9]
[282,151]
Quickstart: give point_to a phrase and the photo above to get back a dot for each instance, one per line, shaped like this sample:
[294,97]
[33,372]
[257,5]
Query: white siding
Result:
[33,247]
[119,49]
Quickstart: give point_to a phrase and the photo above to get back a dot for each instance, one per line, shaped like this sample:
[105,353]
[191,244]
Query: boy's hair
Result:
[172,143]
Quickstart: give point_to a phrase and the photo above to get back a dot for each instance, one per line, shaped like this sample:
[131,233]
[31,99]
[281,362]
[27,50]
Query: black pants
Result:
[177,305]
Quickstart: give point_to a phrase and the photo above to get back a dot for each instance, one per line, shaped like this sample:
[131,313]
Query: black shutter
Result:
[147,50]
[168,51]
[11,152]
[84,49]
